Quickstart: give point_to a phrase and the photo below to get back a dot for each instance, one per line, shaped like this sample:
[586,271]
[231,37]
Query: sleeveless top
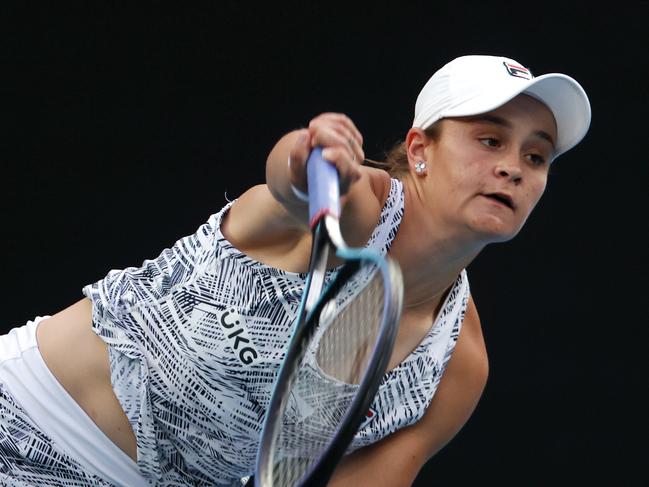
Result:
[196,338]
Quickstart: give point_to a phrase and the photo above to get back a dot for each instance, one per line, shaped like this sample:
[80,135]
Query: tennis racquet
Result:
[340,348]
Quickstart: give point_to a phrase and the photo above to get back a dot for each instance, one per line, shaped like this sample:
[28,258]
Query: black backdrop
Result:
[125,129]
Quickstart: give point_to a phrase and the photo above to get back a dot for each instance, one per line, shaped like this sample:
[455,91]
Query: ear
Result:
[416,143]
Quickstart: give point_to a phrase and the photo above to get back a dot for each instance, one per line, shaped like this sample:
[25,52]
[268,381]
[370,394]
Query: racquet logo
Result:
[518,71]
[369,416]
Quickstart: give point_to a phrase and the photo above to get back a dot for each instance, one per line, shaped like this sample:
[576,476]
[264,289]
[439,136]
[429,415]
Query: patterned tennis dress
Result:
[196,338]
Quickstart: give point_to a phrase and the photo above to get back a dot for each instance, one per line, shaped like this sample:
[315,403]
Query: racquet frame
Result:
[327,238]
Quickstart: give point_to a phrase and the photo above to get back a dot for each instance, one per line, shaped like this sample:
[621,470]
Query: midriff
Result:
[78,358]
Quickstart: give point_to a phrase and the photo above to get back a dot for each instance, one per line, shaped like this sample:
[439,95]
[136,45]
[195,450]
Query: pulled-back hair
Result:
[396,158]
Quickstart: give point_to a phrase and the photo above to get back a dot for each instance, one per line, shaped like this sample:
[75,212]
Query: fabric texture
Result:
[197,336]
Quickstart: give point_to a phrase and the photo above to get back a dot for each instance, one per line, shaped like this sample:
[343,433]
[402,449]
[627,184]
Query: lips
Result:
[503,198]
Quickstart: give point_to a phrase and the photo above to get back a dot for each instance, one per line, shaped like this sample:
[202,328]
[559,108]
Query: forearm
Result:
[378,466]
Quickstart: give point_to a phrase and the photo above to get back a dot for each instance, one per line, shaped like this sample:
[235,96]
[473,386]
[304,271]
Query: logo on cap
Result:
[518,71]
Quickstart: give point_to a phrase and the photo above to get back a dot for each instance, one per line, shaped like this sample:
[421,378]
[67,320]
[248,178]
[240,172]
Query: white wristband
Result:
[301,195]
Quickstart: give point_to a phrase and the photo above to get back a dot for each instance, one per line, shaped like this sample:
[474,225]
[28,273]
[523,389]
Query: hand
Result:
[342,145]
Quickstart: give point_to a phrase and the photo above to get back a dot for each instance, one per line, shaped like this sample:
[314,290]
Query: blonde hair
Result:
[396,158]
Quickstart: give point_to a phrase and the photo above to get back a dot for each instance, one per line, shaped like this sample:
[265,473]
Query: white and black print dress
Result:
[196,337]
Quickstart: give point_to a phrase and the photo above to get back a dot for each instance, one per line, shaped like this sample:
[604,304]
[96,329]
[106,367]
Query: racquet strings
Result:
[325,380]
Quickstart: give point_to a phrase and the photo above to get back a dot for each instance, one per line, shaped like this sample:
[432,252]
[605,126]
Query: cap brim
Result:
[568,102]
[565,98]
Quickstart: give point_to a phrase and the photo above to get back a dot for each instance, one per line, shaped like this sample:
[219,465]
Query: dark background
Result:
[125,128]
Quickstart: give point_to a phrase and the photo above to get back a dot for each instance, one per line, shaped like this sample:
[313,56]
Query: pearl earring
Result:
[419,167]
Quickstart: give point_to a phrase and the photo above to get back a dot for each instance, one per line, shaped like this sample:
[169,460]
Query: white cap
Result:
[471,85]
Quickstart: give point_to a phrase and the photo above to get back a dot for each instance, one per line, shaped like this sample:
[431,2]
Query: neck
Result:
[430,252]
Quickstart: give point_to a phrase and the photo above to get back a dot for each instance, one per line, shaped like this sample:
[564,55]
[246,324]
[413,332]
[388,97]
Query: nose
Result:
[510,169]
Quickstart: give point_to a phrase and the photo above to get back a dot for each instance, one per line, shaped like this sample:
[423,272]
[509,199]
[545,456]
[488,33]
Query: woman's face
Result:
[491,169]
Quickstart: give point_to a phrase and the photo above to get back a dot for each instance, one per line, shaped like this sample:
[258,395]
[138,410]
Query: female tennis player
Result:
[161,375]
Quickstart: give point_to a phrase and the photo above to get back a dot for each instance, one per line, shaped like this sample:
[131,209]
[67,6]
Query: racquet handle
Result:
[324,190]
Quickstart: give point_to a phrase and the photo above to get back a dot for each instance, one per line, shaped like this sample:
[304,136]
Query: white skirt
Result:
[33,386]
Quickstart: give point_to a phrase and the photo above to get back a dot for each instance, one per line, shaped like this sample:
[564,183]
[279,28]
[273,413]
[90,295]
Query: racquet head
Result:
[339,352]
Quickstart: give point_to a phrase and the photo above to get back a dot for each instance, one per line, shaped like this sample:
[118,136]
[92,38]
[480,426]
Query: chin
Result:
[502,238]
[495,231]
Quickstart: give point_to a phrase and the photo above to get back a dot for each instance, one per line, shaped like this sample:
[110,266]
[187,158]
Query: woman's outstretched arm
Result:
[270,221]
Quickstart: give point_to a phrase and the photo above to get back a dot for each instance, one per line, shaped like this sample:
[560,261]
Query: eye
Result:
[490,142]
[537,159]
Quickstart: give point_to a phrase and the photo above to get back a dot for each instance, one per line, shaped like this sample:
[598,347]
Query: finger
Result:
[328,132]
[357,150]
[329,136]
[350,137]
[345,124]
[348,170]
[342,120]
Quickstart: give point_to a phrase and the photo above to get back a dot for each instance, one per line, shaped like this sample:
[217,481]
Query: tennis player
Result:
[161,374]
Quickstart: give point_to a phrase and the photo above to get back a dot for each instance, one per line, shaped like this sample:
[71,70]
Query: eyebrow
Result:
[507,124]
